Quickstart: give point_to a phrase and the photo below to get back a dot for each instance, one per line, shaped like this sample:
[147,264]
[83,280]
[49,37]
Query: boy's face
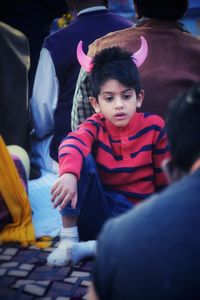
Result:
[117,102]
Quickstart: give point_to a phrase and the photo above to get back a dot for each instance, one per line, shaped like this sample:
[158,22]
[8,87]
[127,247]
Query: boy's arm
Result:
[72,151]
[160,152]
[76,147]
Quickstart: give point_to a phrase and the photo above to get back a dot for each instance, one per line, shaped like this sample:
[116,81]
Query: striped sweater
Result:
[128,158]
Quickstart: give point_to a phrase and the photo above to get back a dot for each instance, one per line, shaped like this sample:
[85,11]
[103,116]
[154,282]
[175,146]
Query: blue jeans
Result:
[95,204]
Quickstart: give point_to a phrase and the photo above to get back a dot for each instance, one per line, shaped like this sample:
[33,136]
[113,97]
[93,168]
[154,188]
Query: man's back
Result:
[156,248]
[172,64]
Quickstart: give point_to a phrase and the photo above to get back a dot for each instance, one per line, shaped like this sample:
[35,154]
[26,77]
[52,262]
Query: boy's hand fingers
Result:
[54,187]
[55,191]
[55,194]
[58,201]
[64,202]
[74,201]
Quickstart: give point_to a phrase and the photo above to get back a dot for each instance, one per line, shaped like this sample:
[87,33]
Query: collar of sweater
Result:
[160,23]
[132,127]
[90,9]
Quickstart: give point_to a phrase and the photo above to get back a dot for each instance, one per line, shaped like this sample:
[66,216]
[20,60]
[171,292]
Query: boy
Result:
[112,161]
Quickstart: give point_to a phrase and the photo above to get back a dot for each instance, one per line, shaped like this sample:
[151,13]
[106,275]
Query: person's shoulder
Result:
[99,118]
[192,41]
[189,35]
[116,38]
[70,32]
[94,119]
[61,33]
[152,119]
[8,31]
[5,27]
[14,41]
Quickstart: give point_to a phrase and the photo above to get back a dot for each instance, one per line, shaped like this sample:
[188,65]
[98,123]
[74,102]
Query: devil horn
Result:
[84,60]
[140,56]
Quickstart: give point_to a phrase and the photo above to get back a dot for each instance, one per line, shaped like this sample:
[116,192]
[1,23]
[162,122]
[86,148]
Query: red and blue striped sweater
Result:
[128,158]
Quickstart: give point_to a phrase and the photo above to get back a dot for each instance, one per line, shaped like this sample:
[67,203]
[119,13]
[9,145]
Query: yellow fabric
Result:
[16,199]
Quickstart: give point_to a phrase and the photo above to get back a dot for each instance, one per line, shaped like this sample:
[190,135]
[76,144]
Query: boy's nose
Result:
[119,102]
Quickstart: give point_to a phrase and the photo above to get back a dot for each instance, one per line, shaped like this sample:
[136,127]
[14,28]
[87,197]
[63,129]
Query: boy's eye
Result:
[109,99]
[127,96]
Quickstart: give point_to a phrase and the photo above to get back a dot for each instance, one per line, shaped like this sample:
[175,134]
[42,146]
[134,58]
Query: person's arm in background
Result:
[45,96]
[81,108]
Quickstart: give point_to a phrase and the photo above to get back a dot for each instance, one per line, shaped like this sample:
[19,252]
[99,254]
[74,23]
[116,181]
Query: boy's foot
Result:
[70,251]
[82,250]
[61,256]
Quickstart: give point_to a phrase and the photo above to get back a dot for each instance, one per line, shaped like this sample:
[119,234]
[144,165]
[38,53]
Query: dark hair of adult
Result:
[163,9]
[114,63]
[183,128]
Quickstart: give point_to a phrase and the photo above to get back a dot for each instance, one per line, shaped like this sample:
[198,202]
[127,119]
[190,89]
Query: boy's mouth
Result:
[120,116]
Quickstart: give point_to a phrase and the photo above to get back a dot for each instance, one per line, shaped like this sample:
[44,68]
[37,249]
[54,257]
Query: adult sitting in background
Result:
[173,61]
[14,202]
[33,18]
[156,245]
[57,73]
[14,67]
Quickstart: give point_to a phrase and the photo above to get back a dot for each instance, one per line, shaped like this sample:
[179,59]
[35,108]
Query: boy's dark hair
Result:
[183,128]
[114,63]
[163,9]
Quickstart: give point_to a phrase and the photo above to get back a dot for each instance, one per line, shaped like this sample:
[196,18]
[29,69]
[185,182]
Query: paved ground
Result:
[24,275]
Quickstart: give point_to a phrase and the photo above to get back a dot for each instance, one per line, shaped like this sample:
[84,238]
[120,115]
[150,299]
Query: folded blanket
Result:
[5,216]
[16,199]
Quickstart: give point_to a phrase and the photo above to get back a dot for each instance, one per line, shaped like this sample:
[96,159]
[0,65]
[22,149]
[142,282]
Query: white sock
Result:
[61,255]
[82,250]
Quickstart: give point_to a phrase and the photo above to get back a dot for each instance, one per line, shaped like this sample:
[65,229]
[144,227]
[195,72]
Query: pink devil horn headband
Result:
[86,61]
[140,56]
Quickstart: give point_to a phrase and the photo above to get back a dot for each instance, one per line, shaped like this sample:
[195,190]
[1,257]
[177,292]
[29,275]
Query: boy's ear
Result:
[140,98]
[95,104]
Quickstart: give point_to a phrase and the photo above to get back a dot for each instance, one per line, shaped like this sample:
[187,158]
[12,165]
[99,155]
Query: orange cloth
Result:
[16,199]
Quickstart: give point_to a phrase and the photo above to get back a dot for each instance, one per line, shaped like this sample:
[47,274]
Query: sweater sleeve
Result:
[160,152]
[44,99]
[76,146]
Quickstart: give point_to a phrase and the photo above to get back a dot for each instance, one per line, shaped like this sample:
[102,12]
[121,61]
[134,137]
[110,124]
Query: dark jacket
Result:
[14,67]
[153,251]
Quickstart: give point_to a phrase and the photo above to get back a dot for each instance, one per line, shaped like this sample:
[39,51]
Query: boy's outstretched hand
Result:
[64,190]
